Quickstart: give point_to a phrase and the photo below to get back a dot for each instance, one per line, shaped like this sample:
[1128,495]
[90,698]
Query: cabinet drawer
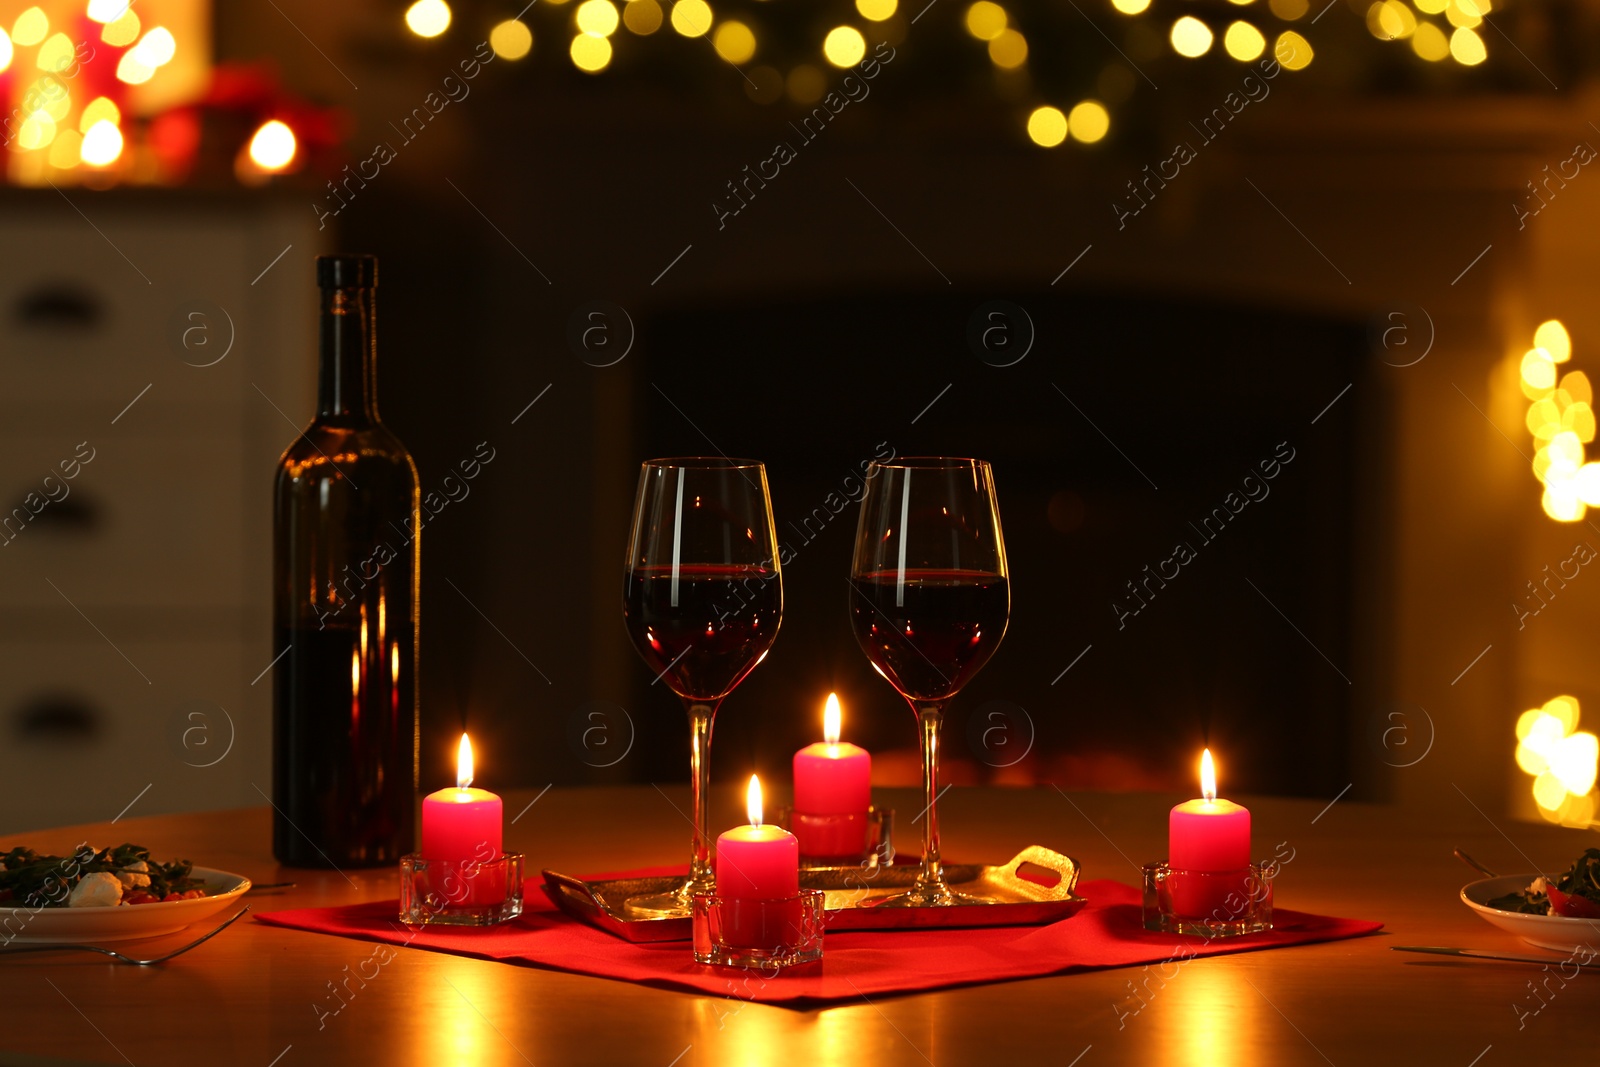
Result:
[84,732]
[149,521]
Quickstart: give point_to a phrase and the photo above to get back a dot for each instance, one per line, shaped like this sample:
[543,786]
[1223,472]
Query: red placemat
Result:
[1108,932]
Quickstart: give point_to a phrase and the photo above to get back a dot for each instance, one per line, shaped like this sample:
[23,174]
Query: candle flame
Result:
[831,720]
[752,801]
[464,763]
[1208,777]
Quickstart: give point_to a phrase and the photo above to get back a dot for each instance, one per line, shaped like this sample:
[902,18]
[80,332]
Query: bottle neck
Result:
[347,385]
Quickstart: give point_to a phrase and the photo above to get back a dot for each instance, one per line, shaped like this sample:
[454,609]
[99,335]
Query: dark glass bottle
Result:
[345,579]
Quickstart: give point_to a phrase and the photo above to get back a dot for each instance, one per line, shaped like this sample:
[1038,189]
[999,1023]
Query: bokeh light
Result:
[985,20]
[1467,47]
[590,53]
[1009,49]
[734,41]
[1047,126]
[1191,37]
[642,17]
[107,10]
[428,18]
[877,10]
[1430,43]
[511,39]
[100,109]
[844,46]
[1292,51]
[31,27]
[1289,10]
[102,144]
[123,31]
[1130,7]
[1243,42]
[1552,336]
[1088,121]
[692,18]
[273,146]
[597,17]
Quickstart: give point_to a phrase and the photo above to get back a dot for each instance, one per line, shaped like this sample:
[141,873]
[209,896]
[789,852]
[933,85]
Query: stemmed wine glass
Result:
[703,600]
[929,601]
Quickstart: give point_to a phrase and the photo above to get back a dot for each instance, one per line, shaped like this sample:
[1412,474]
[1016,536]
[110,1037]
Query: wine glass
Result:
[929,601]
[702,601]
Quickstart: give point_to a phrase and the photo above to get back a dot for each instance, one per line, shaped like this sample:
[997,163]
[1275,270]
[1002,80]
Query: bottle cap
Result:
[347,272]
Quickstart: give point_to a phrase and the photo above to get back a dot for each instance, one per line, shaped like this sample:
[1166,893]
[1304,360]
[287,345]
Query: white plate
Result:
[125,922]
[1556,932]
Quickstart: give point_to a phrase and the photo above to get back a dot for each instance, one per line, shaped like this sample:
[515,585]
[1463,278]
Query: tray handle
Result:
[1039,856]
[574,891]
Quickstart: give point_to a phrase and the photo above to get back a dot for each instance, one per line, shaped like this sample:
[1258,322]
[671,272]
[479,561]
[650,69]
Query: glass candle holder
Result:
[842,840]
[461,893]
[1208,903]
[766,934]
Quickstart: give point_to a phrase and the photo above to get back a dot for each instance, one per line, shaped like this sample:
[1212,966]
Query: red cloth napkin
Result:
[1108,932]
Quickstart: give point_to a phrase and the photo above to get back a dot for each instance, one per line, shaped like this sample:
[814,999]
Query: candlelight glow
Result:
[273,146]
[1208,777]
[831,719]
[464,763]
[752,798]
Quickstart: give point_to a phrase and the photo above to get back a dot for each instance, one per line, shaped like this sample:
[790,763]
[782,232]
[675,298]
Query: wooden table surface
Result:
[249,997]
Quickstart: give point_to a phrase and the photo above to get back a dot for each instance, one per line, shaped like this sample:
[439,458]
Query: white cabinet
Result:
[148,350]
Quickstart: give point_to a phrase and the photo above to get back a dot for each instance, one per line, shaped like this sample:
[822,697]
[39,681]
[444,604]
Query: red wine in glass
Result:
[929,602]
[702,599]
[930,634]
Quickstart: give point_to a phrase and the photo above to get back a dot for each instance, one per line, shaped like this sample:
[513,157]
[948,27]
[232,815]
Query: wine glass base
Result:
[941,896]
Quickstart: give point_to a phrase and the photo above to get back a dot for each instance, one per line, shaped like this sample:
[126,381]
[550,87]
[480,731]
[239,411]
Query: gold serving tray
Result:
[851,894]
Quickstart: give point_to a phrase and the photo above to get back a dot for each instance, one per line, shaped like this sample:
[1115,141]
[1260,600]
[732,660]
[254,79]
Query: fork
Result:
[129,959]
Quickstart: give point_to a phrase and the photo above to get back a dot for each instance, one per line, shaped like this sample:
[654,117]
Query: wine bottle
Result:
[345,742]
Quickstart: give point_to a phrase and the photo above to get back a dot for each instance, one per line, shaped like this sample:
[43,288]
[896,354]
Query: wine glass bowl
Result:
[929,603]
[702,602]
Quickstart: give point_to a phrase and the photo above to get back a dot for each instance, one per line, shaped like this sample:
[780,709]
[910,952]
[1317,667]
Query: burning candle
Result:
[460,829]
[834,781]
[1209,836]
[756,866]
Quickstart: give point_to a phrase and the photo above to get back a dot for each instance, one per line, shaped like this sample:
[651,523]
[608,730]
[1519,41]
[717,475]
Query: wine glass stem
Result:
[930,717]
[701,878]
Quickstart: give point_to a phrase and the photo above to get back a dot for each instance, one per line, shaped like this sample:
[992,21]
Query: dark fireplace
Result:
[1185,489]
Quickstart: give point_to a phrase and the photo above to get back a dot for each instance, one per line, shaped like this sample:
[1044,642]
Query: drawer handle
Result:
[73,515]
[59,307]
[57,719]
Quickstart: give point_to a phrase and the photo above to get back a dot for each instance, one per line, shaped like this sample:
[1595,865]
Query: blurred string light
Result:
[1562,760]
[1561,419]
[1457,39]
[1434,30]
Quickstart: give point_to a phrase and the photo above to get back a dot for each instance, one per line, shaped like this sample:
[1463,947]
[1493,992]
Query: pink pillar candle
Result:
[1210,836]
[462,827]
[832,779]
[758,865]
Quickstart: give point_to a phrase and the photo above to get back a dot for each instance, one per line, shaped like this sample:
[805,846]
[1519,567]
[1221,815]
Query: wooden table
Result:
[249,997]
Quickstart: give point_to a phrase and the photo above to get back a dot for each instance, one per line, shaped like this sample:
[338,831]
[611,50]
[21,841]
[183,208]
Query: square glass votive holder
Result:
[765,934]
[854,840]
[1208,903]
[466,893]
